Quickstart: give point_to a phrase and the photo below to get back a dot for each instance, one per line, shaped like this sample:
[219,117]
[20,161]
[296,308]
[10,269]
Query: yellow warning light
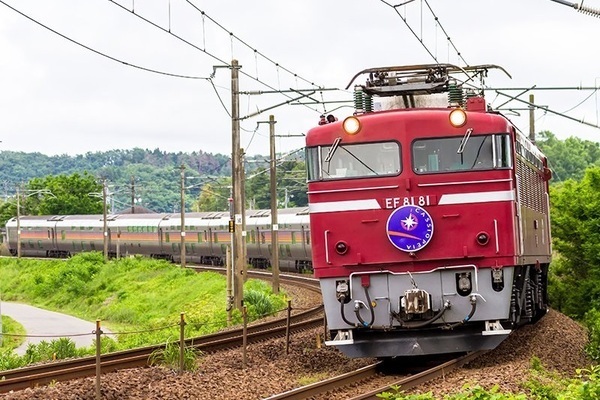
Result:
[458,117]
[351,125]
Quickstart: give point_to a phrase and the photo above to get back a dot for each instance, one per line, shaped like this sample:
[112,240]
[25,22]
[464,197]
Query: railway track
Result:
[347,385]
[22,378]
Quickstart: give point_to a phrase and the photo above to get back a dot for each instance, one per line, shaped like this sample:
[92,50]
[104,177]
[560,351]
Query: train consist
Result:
[159,236]
[429,225]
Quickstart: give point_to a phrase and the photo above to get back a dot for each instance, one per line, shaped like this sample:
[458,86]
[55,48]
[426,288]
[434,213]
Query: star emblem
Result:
[409,223]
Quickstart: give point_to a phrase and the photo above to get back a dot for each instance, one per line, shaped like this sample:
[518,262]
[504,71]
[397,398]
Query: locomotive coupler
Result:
[342,291]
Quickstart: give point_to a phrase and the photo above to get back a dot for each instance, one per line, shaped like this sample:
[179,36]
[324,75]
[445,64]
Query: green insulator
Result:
[359,99]
[368,102]
[455,95]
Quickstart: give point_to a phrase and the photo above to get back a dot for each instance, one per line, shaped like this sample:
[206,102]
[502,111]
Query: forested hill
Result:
[18,167]
[152,178]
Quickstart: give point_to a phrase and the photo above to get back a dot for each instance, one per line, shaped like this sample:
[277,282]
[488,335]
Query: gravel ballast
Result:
[556,340]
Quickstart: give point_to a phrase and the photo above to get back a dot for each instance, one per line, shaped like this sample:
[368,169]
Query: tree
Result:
[71,195]
[258,193]
[575,278]
[569,158]
[213,197]
[291,178]
[8,209]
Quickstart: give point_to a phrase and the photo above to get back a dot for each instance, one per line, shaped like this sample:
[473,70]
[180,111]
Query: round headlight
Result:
[351,125]
[458,117]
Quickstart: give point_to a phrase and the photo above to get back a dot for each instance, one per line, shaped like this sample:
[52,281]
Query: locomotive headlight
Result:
[351,125]
[458,117]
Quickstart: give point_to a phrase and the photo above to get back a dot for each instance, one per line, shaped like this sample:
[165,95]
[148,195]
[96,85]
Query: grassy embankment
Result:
[133,294]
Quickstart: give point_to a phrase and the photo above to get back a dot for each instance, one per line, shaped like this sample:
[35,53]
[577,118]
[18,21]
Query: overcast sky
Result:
[57,97]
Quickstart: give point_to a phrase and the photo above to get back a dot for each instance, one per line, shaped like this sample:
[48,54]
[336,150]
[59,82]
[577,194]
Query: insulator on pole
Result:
[588,10]
[580,7]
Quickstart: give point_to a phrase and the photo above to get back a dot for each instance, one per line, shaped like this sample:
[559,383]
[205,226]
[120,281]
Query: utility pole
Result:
[132,195]
[182,216]
[244,256]
[229,259]
[104,226]
[18,223]
[274,224]
[531,119]
[237,179]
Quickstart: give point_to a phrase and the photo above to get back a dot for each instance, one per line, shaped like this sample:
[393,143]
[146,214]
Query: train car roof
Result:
[136,219]
[205,219]
[93,220]
[31,220]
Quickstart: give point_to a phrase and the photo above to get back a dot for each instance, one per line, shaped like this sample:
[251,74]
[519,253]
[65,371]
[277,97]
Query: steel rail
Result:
[21,378]
[370,372]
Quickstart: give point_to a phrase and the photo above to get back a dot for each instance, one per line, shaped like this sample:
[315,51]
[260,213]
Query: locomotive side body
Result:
[426,237]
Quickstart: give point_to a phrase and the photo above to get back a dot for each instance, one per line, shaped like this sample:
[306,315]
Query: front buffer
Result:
[393,314]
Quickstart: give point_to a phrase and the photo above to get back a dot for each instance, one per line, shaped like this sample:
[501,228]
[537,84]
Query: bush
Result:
[587,388]
[9,360]
[57,349]
[169,357]
[592,321]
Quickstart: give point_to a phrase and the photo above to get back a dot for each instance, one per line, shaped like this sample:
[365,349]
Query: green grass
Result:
[131,294]
[10,326]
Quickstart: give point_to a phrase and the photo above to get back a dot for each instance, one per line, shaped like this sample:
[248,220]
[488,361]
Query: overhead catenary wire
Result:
[174,35]
[581,121]
[223,62]
[450,42]
[420,39]
[276,64]
[99,52]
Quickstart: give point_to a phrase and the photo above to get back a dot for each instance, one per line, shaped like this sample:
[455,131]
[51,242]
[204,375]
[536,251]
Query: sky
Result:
[58,97]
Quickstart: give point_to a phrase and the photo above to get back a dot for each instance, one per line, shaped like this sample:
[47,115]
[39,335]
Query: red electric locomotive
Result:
[429,225]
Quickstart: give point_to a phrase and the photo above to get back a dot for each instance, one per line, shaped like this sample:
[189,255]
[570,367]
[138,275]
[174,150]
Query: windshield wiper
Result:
[332,149]
[463,142]
[360,161]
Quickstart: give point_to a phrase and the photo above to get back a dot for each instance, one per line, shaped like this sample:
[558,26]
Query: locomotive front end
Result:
[419,236]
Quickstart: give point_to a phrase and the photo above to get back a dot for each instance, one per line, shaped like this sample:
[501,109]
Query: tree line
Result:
[150,180]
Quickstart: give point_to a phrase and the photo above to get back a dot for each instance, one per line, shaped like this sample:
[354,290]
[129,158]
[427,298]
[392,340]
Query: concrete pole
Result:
[132,195]
[237,179]
[18,223]
[182,216]
[274,224]
[531,119]
[104,223]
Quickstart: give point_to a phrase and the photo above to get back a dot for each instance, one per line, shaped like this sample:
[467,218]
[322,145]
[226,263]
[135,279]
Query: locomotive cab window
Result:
[348,161]
[452,154]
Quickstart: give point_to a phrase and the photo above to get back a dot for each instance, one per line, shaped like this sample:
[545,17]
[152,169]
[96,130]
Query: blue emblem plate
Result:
[409,228]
